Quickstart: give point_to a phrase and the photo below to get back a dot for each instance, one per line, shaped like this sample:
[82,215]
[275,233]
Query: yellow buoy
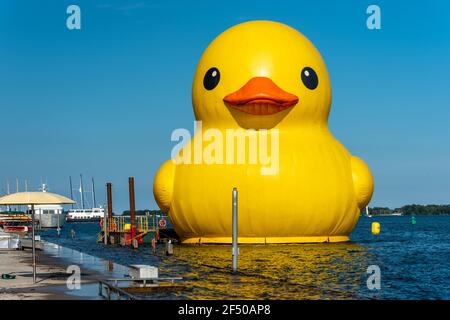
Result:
[376,228]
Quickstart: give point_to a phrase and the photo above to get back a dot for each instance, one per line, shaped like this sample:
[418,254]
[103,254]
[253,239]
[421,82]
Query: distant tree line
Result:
[142,212]
[430,209]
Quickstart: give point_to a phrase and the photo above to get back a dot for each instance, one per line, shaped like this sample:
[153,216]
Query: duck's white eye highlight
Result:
[309,78]
[211,79]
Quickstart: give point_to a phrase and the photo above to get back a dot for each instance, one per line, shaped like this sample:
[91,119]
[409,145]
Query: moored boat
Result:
[9,240]
[85,215]
[9,216]
[17,226]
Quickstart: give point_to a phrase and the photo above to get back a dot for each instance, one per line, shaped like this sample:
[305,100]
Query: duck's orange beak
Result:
[260,96]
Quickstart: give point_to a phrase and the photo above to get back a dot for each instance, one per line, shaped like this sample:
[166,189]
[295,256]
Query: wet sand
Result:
[51,277]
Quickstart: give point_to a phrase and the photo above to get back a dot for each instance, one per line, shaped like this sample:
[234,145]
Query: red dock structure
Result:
[132,230]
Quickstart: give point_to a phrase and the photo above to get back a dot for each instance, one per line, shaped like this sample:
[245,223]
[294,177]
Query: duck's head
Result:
[261,74]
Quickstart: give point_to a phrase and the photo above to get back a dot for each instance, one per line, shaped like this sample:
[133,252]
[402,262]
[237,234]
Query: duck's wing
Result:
[163,185]
[362,182]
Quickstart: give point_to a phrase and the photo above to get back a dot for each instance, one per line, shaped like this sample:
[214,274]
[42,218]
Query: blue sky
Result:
[104,100]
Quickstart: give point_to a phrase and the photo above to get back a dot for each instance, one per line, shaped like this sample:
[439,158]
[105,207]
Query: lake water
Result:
[414,261]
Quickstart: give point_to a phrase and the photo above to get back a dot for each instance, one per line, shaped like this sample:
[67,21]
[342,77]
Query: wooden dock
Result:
[133,230]
[110,288]
[146,230]
[26,243]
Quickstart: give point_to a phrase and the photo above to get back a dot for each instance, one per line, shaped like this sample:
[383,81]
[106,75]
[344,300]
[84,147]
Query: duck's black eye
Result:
[211,79]
[309,78]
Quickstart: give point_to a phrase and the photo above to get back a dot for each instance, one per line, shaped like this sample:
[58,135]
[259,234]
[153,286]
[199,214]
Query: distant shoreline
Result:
[411,209]
[405,215]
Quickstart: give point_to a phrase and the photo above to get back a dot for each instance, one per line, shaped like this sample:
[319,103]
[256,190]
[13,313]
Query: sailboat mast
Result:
[8,208]
[71,189]
[94,203]
[81,192]
[17,190]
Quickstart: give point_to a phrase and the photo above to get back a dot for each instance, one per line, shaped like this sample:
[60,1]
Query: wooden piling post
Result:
[132,207]
[109,194]
[110,211]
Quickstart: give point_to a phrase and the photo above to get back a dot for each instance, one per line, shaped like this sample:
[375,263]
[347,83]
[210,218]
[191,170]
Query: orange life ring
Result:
[162,223]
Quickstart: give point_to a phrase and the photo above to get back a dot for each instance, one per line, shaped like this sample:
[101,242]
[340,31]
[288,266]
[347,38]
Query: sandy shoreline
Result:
[51,277]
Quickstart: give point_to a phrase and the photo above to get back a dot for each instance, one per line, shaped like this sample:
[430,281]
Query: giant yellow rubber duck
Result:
[263,76]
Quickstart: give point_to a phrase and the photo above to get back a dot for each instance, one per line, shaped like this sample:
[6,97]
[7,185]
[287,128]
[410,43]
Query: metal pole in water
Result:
[235,250]
[169,248]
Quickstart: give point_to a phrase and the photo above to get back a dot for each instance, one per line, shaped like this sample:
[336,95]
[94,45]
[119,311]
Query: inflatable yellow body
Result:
[266,76]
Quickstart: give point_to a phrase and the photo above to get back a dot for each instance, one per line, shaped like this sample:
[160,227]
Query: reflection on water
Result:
[110,266]
[86,261]
[413,260]
[312,271]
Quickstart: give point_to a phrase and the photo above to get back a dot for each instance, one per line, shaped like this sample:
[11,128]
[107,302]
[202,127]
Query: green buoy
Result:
[413,220]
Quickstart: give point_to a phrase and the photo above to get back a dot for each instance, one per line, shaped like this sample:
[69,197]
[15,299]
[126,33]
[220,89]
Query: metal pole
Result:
[132,206]
[32,243]
[58,216]
[40,218]
[235,250]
